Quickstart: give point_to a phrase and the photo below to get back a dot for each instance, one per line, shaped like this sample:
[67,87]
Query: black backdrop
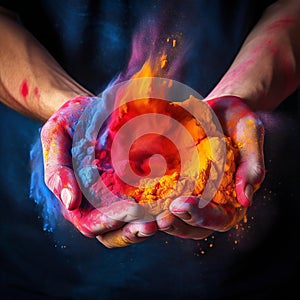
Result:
[91,40]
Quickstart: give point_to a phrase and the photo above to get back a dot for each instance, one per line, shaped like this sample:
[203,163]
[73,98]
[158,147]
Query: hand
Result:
[247,131]
[117,225]
[185,218]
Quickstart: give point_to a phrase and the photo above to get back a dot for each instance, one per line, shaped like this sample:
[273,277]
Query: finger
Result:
[131,233]
[58,172]
[247,132]
[250,165]
[211,216]
[92,222]
[56,137]
[173,225]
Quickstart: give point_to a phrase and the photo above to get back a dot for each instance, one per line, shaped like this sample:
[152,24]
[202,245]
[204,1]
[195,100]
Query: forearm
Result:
[267,68]
[31,81]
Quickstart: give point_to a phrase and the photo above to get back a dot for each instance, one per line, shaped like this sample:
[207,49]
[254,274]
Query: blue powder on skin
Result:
[47,202]
[39,192]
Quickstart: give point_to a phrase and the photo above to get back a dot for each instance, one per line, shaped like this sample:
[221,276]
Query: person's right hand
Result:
[189,219]
[116,225]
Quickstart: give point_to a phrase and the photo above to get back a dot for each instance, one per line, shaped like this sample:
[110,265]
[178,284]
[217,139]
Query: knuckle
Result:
[129,239]
[86,233]
[115,241]
[51,180]
[45,131]
[84,230]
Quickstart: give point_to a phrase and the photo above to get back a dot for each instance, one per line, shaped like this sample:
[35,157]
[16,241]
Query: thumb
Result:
[248,178]
[64,186]
[250,169]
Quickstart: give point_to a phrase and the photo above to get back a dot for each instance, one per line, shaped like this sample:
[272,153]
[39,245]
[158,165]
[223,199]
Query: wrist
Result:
[51,101]
[265,71]
[44,93]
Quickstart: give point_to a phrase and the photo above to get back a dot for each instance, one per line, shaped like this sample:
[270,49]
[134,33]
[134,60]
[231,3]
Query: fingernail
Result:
[66,197]
[249,190]
[169,228]
[177,211]
[142,235]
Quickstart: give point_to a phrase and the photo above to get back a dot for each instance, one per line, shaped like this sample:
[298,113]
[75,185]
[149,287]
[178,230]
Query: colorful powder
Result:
[156,193]
[150,191]
[24,89]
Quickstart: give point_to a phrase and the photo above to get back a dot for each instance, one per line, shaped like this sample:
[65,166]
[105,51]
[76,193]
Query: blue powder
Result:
[39,192]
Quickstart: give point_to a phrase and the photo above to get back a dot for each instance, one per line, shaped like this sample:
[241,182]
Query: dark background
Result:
[91,39]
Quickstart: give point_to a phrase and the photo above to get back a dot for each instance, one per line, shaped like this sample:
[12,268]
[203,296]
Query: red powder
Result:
[36,93]
[24,89]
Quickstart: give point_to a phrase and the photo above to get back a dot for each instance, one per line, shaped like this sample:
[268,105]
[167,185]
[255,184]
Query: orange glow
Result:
[169,186]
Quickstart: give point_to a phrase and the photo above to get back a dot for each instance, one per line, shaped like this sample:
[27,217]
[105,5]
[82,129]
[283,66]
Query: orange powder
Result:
[157,193]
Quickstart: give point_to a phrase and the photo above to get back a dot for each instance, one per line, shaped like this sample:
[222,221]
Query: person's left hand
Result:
[186,218]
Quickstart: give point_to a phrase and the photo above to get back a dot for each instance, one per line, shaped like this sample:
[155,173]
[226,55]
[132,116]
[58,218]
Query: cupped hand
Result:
[247,131]
[187,217]
[116,225]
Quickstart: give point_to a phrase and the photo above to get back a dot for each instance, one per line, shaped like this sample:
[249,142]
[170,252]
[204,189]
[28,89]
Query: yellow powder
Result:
[158,193]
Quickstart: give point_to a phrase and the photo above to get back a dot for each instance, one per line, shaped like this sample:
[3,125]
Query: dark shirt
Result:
[92,41]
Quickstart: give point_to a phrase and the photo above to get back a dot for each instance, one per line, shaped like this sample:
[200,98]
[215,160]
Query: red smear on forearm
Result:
[24,89]
[36,93]
[25,92]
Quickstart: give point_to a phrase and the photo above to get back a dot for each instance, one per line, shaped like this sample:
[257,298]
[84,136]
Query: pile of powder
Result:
[157,193]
